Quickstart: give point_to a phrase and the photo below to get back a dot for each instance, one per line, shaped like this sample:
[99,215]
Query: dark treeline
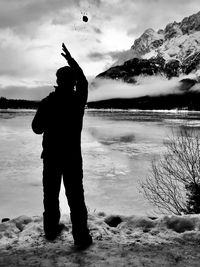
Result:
[189,100]
[18,103]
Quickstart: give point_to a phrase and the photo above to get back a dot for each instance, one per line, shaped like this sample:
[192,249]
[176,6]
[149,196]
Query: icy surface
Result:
[117,150]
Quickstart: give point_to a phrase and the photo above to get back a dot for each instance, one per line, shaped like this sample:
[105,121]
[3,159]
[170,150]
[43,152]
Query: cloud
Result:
[23,92]
[131,15]
[103,89]
[23,58]
[17,13]
[118,57]
[134,17]
[97,30]
[63,20]
[157,14]
[96,56]
[133,31]
[31,33]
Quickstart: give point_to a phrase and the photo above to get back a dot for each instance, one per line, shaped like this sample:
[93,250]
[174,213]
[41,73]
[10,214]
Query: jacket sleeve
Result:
[38,123]
[82,83]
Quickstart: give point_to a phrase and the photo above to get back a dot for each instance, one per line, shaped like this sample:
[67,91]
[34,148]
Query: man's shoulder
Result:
[48,98]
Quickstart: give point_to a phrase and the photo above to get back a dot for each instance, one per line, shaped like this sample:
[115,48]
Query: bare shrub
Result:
[173,184]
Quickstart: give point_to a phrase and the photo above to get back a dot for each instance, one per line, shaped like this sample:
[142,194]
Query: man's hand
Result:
[66,53]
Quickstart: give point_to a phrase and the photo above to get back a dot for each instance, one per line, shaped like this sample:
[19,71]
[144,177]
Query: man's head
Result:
[66,77]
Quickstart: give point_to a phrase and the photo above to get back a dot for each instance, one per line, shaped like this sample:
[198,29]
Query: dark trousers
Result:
[72,174]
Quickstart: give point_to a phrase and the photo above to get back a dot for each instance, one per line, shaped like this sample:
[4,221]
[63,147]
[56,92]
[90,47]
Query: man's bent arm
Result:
[38,123]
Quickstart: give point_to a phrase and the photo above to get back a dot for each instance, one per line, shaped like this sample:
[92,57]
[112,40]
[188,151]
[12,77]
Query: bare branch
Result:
[173,173]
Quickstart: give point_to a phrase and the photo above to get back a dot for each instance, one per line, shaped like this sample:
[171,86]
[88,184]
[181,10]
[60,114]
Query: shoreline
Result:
[176,110]
[133,241]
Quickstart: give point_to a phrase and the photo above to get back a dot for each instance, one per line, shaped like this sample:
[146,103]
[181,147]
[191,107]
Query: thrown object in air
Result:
[85,18]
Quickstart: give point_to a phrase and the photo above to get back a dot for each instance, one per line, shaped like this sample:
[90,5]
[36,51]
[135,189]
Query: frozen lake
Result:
[117,148]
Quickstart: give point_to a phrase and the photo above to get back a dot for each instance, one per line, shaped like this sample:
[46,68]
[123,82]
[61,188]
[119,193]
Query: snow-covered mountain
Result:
[177,41]
[170,52]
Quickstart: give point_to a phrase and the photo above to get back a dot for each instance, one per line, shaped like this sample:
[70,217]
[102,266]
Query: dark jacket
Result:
[60,120]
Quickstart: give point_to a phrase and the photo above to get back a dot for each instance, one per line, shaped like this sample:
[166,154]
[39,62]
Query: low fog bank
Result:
[104,89]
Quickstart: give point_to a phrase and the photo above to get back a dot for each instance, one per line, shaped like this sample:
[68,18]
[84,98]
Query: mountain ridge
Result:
[170,52]
[175,36]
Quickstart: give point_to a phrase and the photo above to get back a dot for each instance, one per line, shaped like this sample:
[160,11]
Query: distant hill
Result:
[187,101]
[18,103]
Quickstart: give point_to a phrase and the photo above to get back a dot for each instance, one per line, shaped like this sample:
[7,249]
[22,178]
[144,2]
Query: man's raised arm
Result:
[82,83]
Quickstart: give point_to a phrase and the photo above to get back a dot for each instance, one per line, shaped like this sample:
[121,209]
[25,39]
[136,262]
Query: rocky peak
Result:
[187,26]
[147,41]
[151,40]
[172,30]
[160,31]
[190,24]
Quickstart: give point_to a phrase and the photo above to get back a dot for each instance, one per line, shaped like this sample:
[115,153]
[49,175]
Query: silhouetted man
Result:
[59,117]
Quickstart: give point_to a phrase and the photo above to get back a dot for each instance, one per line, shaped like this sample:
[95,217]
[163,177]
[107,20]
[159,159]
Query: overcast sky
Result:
[32,32]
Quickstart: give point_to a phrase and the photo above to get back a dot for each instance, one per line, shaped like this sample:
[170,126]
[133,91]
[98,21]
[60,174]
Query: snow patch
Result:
[166,239]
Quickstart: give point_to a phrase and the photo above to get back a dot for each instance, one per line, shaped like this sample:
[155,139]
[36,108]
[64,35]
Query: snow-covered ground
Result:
[136,241]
